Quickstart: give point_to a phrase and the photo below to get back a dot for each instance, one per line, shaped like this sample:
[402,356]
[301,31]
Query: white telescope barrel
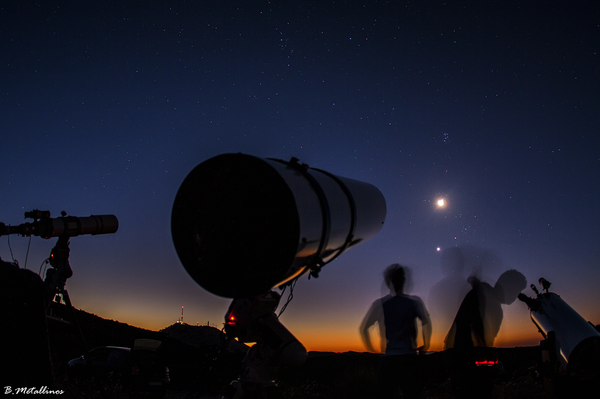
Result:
[242,225]
[70,226]
[93,224]
[571,331]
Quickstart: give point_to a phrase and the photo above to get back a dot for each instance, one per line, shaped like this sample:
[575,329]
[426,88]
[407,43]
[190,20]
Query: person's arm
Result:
[372,317]
[425,326]
[426,335]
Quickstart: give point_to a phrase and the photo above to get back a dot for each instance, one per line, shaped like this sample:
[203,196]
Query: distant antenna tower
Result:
[181,319]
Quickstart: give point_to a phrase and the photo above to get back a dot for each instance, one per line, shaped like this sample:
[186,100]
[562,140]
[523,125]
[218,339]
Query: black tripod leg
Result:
[67,300]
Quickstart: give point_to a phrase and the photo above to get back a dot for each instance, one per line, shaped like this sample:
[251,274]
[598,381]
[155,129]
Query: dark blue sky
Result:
[105,107]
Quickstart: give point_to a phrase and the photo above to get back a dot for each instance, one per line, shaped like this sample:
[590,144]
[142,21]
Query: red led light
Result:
[486,362]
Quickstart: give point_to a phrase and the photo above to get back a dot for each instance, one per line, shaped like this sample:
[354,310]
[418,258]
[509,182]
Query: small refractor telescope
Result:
[65,226]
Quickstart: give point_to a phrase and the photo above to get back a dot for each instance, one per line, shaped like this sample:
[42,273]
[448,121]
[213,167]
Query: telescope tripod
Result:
[55,281]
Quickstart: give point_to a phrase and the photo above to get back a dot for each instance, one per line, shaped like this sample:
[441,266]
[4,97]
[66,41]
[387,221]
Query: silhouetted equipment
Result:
[27,301]
[64,228]
[569,337]
[69,226]
[254,320]
[545,284]
[242,225]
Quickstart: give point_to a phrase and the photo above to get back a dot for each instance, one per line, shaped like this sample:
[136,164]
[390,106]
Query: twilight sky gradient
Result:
[105,107]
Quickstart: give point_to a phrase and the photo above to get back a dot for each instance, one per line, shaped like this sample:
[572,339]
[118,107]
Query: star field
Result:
[105,107]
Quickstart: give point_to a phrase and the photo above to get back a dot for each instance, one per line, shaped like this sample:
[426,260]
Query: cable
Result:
[11,252]
[44,262]
[290,295]
[27,254]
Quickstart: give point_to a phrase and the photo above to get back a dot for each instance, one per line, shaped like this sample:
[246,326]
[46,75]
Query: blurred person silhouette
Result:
[474,330]
[446,295]
[396,315]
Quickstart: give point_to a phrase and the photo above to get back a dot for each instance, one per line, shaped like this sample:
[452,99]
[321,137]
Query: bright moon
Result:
[441,202]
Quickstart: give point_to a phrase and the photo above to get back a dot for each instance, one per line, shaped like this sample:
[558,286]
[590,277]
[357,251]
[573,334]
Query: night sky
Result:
[105,107]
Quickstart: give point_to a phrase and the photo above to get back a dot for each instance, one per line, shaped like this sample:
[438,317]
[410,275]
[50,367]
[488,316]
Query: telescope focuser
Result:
[531,303]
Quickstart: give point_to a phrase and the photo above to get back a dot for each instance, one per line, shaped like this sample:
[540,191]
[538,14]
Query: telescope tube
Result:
[70,226]
[551,314]
[242,225]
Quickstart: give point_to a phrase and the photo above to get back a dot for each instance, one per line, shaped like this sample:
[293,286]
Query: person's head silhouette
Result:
[396,277]
[509,286]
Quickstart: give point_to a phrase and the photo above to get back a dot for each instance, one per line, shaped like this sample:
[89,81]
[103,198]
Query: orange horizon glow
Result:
[340,346]
[350,341]
[341,335]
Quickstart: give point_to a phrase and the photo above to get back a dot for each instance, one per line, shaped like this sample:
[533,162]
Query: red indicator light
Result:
[486,362]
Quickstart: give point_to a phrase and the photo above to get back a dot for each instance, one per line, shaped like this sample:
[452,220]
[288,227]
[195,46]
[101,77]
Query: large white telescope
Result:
[575,342]
[242,225]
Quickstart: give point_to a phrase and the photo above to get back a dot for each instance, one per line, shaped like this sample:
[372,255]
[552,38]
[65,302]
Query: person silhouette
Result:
[475,328]
[396,314]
